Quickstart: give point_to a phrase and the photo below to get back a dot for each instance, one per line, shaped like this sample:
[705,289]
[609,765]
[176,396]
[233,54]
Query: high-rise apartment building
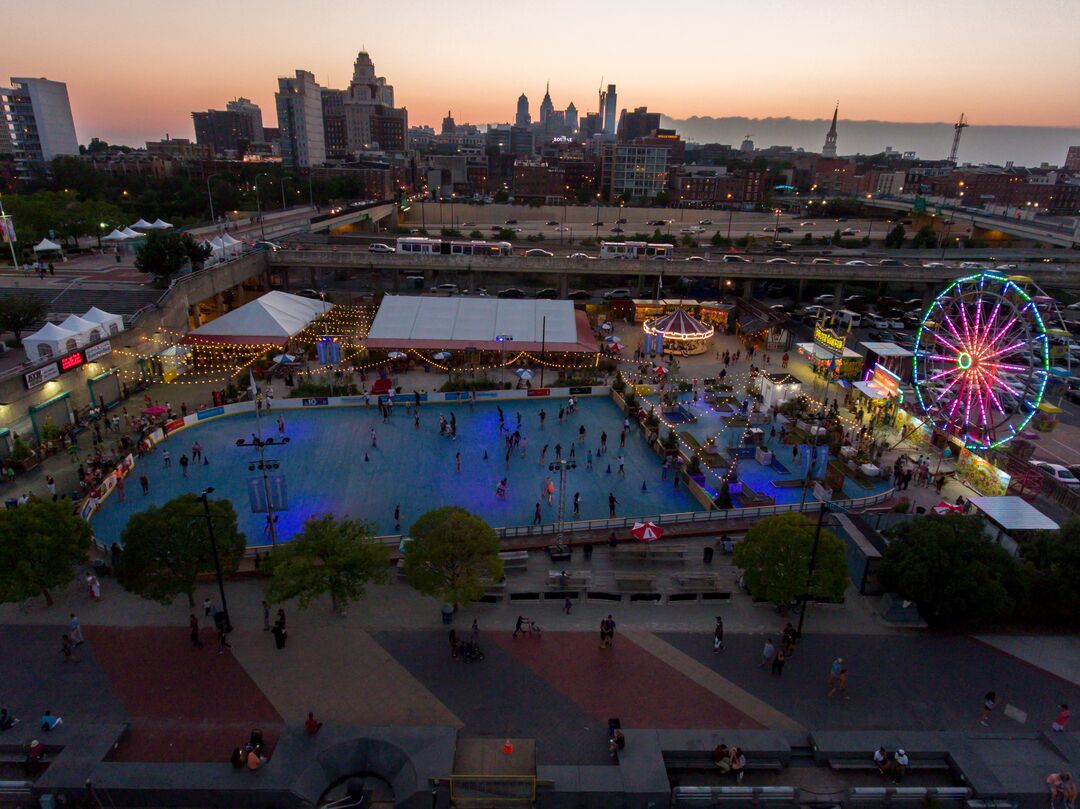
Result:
[610,103]
[638,172]
[335,132]
[300,119]
[1072,159]
[35,116]
[252,112]
[225,130]
[637,124]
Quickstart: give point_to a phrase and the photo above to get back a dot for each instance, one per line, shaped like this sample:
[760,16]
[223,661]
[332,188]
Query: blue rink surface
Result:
[325,468]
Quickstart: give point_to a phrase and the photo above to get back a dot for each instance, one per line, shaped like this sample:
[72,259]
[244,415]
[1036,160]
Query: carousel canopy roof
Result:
[680,324]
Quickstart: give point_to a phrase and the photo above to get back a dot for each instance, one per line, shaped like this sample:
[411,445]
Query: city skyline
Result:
[994,73]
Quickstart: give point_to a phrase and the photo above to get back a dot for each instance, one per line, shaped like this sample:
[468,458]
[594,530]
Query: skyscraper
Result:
[611,101]
[829,149]
[523,118]
[571,118]
[370,116]
[300,119]
[252,112]
[36,116]
[546,107]
[224,130]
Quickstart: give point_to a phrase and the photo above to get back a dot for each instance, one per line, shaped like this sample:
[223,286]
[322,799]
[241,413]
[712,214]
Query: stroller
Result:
[470,652]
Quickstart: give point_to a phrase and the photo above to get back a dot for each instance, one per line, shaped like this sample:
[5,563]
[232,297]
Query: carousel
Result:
[678,333]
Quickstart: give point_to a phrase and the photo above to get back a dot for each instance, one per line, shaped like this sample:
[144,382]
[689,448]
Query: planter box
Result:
[26,464]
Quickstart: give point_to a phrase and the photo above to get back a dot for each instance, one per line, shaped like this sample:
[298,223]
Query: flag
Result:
[7,229]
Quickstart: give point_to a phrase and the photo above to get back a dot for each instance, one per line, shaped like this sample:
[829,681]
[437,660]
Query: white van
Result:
[846,316]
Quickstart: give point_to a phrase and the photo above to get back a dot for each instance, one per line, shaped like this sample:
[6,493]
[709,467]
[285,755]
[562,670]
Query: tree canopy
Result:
[895,237]
[41,544]
[453,555]
[775,559]
[952,571]
[166,548]
[19,312]
[335,557]
[1051,560]
[164,253]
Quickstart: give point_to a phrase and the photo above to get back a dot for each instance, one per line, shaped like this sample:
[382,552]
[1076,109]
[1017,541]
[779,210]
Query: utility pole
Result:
[205,497]
[810,571]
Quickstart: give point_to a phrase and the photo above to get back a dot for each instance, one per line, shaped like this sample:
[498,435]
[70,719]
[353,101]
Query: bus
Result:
[434,247]
[632,250]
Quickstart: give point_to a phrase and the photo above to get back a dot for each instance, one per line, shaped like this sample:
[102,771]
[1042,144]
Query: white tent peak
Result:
[271,318]
[50,331]
[131,234]
[115,236]
[142,224]
[45,246]
[160,224]
[77,324]
[95,315]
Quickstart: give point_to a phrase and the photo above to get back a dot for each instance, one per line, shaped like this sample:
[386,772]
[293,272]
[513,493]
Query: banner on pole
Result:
[7,229]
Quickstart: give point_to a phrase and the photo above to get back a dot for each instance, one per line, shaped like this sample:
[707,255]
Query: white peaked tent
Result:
[49,341]
[215,244]
[131,234]
[229,241]
[160,224]
[84,329]
[115,236]
[272,318]
[45,246]
[109,323]
[142,224]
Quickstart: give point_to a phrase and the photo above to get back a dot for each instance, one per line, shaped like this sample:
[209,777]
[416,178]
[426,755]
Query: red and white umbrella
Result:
[646,531]
[660,370]
[615,346]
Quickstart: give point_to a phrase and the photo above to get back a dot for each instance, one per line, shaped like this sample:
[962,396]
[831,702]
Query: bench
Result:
[514,560]
[15,791]
[748,796]
[697,581]
[650,553]
[913,764]
[569,579]
[639,582]
[702,761]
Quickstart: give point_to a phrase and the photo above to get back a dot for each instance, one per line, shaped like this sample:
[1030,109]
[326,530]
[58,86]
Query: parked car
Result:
[449,289]
[825,300]
[877,322]
[379,247]
[1059,472]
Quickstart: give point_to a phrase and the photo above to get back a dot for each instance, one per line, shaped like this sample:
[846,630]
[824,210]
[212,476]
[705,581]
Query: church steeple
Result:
[829,149]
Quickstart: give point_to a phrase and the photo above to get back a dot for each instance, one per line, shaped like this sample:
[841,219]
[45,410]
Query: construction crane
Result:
[959,127]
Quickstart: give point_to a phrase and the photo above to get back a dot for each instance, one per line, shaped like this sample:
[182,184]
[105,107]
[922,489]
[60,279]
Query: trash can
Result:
[588,551]
[447,614]
[707,555]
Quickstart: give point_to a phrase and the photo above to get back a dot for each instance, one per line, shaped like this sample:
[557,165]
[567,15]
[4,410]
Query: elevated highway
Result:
[478,269]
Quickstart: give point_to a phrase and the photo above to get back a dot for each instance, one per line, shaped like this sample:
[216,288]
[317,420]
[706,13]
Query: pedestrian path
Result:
[1055,654]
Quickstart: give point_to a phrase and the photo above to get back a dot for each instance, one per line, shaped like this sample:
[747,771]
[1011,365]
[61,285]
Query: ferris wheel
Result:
[982,357]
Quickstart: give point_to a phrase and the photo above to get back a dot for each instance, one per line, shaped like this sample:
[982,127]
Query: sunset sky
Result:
[136,70]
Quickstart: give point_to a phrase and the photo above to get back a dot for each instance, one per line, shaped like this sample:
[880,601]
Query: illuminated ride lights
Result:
[982,358]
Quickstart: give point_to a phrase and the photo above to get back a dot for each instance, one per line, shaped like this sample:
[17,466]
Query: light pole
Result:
[810,572]
[282,183]
[205,497]
[561,466]
[543,348]
[598,219]
[776,228]
[562,231]
[453,223]
[210,196]
[730,214]
[258,203]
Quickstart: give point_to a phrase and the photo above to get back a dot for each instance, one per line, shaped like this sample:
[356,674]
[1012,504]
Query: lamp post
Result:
[598,219]
[810,571]
[730,214]
[562,230]
[101,227]
[205,497]
[282,183]
[258,203]
[8,229]
[776,228]
[543,348]
[453,223]
[210,196]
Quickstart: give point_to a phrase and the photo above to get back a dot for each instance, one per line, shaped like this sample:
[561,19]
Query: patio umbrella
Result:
[524,373]
[613,338]
[615,346]
[442,356]
[646,531]
[607,327]
[284,358]
[396,355]
[659,369]
[156,410]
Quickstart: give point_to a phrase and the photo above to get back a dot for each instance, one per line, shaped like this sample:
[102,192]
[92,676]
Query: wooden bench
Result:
[914,764]
[514,560]
[569,579]
[638,582]
[650,553]
[697,581]
[743,795]
[702,761]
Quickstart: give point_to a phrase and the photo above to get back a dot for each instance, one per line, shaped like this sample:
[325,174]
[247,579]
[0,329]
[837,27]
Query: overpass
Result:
[473,269]
[372,212]
[1022,227]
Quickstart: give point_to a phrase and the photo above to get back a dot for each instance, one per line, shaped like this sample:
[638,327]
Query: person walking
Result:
[519,627]
[577,504]
[144,481]
[567,605]
[223,641]
[839,684]
[768,652]
[537,516]
[75,631]
[183,465]
[834,671]
[397,517]
[67,649]
[207,606]
[718,635]
[990,701]
[193,631]
[279,633]
[778,663]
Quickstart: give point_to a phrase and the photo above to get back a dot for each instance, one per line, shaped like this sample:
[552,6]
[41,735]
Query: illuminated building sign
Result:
[885,379]
[827,338]
[40,376]
[71,361]
[96,351]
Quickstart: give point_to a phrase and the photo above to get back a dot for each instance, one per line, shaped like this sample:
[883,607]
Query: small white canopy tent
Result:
[109,323]
[270,319]
[49,341]
[45,246]
[86,331]
[115,236]
[131,234]
[160,224]
[142,224]
[229,241]
[215,244]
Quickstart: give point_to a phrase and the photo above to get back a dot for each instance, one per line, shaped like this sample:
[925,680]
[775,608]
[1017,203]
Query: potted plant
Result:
[22,456]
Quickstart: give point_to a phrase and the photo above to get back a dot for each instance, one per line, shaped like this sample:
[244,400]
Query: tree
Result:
[895,237]
[453,554]
[330,556]
[924,238]
[662,198]
[41,544]
[584,195]
[836,236]
[952,571]
[1050,561]
[720,240]
[166,548]
[775,558]
[19,312]
[165,254]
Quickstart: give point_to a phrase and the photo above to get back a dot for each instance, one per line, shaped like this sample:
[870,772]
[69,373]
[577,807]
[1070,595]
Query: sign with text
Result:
[827,338]
[580,391]
[41,375]
[71,361]
[210,412]
[539,391]
[95,351]
[173,426]
[315,401]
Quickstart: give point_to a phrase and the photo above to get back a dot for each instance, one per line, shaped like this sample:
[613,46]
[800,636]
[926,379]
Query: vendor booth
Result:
[85,331]
[889,356]
[110,324]
[777,389]
[56,412]
[50,341]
